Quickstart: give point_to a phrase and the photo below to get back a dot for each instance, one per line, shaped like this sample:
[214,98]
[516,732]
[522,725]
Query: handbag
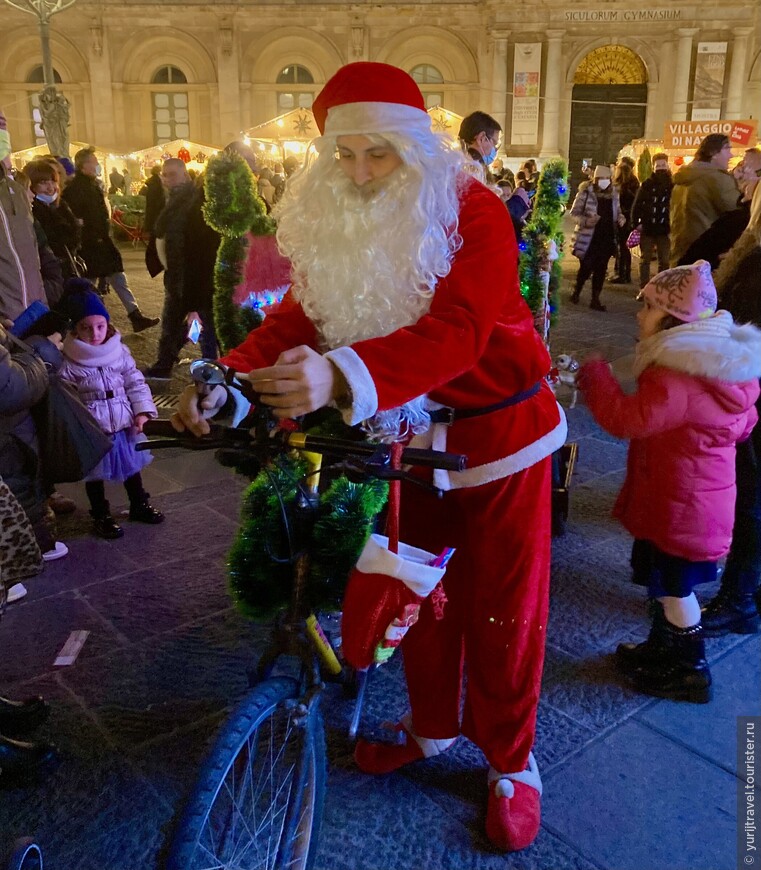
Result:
[70,441]
[634,238]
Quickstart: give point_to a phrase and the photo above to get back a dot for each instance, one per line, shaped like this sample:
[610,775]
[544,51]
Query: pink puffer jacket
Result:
[108,381]
[696,389]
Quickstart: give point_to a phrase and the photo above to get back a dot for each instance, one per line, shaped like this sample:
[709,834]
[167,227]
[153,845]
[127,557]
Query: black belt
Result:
[449,415]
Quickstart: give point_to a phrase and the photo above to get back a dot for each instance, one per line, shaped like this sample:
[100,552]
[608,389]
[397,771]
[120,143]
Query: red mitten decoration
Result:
[384,587]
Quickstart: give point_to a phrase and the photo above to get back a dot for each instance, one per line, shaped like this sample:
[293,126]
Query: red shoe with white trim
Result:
[515,807]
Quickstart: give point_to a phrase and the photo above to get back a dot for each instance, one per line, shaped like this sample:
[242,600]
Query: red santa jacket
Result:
[475,346]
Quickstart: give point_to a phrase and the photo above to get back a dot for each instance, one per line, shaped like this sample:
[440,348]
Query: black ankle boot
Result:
[576,295]
[23,761]
[734,607]
[104,525]
[140,322]
[680,671]
[142,512]
[630,657]
[22,717]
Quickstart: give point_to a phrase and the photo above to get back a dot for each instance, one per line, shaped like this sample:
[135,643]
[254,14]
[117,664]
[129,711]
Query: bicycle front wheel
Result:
[259,798]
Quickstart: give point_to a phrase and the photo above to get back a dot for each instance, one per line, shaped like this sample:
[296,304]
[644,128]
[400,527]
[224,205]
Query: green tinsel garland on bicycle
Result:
[233,208]
[536,249]
[259,578]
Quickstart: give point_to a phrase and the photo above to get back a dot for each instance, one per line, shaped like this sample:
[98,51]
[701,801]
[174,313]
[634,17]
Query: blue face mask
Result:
[490,157]
[48,198]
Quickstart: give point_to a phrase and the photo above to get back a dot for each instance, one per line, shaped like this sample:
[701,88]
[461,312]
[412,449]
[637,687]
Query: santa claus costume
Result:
[410,288]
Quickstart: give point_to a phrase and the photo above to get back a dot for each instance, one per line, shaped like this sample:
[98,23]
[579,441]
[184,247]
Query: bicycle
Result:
[259,796]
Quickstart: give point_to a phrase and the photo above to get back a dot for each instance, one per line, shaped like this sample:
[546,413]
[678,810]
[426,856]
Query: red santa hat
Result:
[364,97]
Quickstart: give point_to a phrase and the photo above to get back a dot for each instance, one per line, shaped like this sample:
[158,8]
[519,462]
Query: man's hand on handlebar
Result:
[198,403]
[301,381]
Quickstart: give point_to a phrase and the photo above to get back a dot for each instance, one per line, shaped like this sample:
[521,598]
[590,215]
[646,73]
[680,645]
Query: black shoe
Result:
[20,762]
[142,512]
[140,322]
[158,373]
[22,717]
[680,671]
[596,305]
[619,279]
[630,657]
[106,527]
[575,296]
[734,608]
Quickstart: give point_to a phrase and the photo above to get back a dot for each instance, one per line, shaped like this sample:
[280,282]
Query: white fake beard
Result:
[358,277]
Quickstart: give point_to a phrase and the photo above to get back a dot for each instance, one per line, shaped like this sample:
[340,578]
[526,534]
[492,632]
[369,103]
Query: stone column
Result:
[498,40]
[553,84]
[228,74]
[682,75]
[737,79]
[101,91]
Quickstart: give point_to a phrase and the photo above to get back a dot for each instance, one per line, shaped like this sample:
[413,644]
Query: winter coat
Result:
[62,230]
[702,192]
[652,204]
[84,197]
[155,200]
[696,389]
[20,278]
[23,383]
[627,193]
[718,238]
[584,209]
[108,381]
[169,231]
[50,267]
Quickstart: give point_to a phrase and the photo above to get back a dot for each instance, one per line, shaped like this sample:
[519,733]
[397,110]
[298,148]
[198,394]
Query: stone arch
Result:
[264,58]
[23,55]
[435,46]
[637,46]
[140,56]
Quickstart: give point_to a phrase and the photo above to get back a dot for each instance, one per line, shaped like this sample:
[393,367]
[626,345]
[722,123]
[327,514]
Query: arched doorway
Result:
[609,104]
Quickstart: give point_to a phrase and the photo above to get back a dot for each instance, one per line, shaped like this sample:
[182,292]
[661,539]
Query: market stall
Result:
[21,158]
[193,154]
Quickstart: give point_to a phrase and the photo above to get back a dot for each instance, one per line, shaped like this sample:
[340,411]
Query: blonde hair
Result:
[746,244]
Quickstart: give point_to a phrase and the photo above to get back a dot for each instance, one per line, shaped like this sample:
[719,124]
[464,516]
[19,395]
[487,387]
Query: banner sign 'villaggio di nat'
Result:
[689,134]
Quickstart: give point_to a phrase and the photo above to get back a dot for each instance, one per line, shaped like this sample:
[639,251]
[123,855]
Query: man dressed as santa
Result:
[405,312]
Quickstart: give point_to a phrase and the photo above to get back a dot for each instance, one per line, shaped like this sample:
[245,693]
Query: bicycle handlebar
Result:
[245,439]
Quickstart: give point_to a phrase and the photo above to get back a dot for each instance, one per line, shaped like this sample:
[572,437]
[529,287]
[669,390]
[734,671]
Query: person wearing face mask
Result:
[479,137]
[84,195]
[57,220]
[597,212]
[650,213]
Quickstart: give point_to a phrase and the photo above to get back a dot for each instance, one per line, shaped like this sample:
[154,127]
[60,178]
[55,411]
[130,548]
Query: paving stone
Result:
[171,681]
[666,807]
[159,599]
[33,633]
[598,457]
[711,729]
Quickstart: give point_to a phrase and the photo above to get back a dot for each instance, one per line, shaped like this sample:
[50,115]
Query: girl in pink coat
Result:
[115,393]
[697,383]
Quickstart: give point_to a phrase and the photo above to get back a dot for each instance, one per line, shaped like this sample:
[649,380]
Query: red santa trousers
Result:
[495,621]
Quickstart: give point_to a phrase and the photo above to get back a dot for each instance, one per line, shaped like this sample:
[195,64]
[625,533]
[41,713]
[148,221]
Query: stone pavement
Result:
[631,783]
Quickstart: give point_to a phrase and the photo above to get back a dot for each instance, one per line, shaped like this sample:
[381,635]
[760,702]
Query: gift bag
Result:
[634,238]
[384,593]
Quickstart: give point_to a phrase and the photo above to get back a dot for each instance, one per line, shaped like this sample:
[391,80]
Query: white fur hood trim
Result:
[712,348]
[93,355]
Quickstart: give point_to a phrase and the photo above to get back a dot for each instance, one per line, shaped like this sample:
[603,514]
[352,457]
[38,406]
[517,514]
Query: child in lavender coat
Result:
[115,393]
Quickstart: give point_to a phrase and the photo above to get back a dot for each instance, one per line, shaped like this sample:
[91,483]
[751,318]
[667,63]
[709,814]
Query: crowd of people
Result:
[408,319]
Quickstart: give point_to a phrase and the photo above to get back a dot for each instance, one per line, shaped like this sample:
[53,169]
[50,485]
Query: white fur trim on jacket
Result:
[409,565]
[364,396]
[712,348]
[436,439]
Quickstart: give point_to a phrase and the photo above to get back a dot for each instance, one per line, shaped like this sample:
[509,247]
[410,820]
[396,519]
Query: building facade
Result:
[569,77]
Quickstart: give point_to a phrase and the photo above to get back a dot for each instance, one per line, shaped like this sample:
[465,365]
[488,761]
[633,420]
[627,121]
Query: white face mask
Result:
[602,183]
